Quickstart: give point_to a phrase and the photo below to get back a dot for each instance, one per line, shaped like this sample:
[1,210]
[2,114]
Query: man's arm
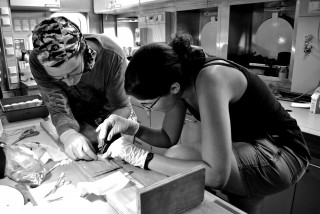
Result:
[54,98]
[60,111]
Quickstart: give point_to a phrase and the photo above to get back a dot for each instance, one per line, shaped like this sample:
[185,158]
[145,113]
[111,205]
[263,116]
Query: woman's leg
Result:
[235,184]
[236,191]
[257,170]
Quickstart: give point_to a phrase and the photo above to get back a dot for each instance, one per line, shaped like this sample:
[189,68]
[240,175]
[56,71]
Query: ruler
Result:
[133,180]
[128,175]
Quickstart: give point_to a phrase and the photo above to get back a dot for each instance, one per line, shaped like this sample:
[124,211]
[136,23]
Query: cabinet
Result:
[279,203]
[304,196]
[307,194]
[143,117]
[191,132]
[156,122]
[148,118]
[155,27]
[21,4]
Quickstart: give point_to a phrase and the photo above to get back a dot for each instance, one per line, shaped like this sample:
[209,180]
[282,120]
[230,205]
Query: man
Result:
[81,79]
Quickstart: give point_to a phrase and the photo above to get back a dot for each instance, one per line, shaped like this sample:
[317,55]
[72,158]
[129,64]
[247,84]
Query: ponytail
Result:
[190,57]
[181,44]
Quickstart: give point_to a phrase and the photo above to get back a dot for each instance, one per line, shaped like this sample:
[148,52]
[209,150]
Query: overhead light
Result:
[104,6]
[127,3]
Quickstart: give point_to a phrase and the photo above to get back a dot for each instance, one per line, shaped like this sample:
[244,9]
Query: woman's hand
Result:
[115,124]
[125,149]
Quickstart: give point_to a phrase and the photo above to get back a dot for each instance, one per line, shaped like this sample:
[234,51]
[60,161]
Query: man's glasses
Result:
[67,77]
[70,75]
[148,106]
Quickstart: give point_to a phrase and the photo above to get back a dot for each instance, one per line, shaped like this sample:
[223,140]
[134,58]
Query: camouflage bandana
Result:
[57,39]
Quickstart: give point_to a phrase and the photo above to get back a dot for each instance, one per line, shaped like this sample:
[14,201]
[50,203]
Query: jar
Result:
[283,72]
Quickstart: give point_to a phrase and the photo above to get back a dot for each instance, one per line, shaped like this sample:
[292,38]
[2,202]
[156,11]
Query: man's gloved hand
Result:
[115,124]
[77,146]
[123,148]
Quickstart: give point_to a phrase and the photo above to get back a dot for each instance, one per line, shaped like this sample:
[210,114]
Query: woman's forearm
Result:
[154,137]
[171,166]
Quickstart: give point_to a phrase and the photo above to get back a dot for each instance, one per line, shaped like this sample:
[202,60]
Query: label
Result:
[315,102]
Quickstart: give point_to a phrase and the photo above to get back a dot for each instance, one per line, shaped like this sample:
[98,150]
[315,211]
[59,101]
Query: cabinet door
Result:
[142,115]
[307,195]
[191,132]
[144,118]
[279,203]
[156,119]
[156,122]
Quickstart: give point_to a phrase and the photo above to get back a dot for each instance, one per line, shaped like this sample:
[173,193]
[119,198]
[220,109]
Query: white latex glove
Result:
[123,148]
[116,124]
[77,146]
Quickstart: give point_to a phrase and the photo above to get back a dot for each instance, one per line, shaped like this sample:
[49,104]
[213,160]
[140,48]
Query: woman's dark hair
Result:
[156,66]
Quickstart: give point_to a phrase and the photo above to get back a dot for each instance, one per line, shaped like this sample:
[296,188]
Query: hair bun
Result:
[181,44]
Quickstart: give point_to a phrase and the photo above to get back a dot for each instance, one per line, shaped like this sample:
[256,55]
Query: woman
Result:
[250,145]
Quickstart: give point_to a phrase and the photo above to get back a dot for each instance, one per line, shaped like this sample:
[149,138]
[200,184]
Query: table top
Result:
[307,121]
[210,204]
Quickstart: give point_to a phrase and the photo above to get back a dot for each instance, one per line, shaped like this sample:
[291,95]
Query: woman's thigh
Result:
[264,168]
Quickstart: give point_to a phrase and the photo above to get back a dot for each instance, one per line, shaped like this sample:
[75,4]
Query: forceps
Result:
[61,181]
[27,133]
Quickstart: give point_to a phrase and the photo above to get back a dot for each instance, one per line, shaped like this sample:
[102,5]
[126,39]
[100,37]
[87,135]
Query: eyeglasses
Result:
[70,75]
[148,106]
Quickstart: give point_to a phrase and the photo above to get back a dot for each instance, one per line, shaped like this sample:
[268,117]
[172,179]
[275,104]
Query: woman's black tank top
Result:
[258,114]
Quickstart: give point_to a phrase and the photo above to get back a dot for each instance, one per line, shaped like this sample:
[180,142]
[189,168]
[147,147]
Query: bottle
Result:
[283,72]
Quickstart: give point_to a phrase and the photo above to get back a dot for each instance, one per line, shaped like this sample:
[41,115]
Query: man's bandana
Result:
[57,39]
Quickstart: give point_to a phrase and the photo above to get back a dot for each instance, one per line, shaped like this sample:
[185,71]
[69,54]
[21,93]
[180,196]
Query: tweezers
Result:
[56,186]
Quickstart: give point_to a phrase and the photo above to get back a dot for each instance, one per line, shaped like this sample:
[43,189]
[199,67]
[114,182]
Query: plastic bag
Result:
[23,166]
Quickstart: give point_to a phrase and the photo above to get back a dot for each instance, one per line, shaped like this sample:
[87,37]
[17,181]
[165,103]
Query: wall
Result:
[306,68]
[9,62]
[29,18]
[21,31]
[95,20]
[126,34]
[109,24]
[240,33]
[189,22]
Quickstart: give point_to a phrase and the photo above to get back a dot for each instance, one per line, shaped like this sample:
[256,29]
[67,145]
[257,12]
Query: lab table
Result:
[211,203]
[308,122]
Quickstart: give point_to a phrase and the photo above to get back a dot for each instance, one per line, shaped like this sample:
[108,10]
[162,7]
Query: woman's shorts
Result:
[266,168]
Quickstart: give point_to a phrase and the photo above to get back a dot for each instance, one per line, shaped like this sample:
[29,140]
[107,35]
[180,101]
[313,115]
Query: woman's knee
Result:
[183,153]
